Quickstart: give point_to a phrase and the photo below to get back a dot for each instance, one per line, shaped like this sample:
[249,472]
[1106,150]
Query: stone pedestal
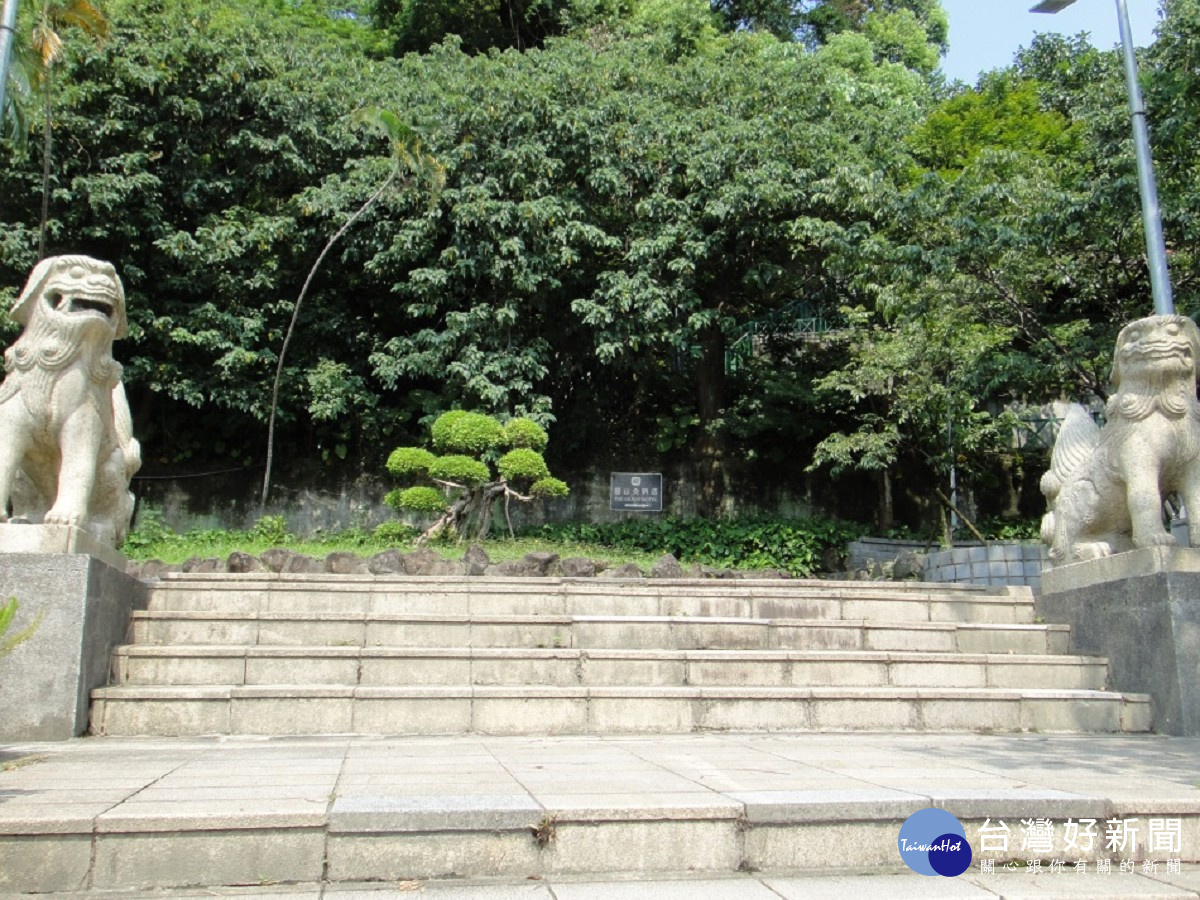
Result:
[1140,609]
[57,539]
[83,601]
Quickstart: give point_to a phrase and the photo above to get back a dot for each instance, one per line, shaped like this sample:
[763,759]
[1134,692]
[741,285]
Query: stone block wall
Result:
[867,553]
[993,564]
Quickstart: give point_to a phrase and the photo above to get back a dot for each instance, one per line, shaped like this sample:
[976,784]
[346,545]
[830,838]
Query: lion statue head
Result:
[1154,368]
[69,303]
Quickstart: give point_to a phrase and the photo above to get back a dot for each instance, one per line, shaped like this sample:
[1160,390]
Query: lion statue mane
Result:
[68,452]
[1106,486]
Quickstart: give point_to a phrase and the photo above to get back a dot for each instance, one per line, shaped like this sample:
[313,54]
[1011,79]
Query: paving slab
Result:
[893,886]
[981,803]
[1020,886]
[203,814]
[867,804]
[641,807]
[714,889]
[571,810]
[443,812]
[1189,879]
[906,886]
[524,891]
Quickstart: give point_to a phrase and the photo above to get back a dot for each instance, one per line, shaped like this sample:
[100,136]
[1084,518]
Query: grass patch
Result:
[154,540]
[800,547]
[11,765]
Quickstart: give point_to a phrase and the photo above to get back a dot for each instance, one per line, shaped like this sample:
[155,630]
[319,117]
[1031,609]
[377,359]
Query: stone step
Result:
[361,629]
[397,666]
[346,709]
[104,815]
[464,596]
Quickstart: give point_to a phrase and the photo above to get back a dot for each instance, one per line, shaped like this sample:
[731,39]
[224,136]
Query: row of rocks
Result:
[427,562]
[906,566]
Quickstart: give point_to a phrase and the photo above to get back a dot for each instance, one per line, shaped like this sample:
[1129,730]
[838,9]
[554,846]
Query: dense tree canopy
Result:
[187,146]
[1015,255]
[643,203]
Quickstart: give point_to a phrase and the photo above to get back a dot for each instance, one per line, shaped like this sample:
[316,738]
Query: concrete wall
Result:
[232,502]
[81,607]
[1141,610]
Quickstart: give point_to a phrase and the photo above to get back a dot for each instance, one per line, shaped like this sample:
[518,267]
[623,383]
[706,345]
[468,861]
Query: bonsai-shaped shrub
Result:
[481,460]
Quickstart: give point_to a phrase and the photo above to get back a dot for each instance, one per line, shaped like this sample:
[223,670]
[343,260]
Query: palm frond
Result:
[47,44]
[81,14]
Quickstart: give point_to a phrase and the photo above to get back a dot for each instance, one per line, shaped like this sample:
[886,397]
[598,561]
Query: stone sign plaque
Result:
[635,492]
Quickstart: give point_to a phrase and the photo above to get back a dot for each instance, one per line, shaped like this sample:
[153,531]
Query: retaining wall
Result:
[992,564]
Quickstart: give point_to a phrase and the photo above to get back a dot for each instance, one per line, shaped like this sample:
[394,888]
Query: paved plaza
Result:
[312,810]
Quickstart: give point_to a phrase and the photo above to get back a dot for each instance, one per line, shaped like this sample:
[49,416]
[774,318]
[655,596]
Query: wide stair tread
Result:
[352,596]
[584,631]
[267,664]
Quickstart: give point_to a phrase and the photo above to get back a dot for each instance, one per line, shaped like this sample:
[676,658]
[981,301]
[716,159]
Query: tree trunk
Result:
[287,336]
[47,154]
[885,514]
[470,514]
[482,524]
[710,449]
[1012,477]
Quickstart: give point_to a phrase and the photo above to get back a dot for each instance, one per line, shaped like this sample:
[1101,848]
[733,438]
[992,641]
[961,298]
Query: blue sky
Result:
[984,34]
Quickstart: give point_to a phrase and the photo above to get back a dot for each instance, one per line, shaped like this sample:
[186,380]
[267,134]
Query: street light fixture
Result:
[1052,6]
[1156,252]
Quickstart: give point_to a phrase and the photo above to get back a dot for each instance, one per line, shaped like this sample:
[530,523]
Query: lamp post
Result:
[1156,251]
[8,25]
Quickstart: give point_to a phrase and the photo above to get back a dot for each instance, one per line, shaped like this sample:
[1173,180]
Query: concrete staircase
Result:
[313,654]
[535,730]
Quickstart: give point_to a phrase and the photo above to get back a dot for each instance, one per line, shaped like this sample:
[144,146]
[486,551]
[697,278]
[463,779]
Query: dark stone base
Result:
[1141,610]
[84,606]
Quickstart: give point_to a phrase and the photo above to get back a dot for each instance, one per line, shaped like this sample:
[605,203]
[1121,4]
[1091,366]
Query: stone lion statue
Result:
[1106,486]
[68,451]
